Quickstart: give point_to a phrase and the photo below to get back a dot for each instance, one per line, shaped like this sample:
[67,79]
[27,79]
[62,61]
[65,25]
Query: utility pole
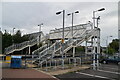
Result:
[119,40]
[94,64]
[40,33]
[72,14]
[62,36]
[94,41]
[12,36]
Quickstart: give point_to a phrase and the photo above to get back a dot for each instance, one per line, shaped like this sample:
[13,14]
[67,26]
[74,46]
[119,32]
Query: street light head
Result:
[58,13]
[77,12]
[111,36]
[89,21]
[101,9]
[98,17]
[40,24]
[68,14]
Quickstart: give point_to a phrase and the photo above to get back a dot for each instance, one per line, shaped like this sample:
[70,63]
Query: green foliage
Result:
[111,51]
[8,39]
[25,38]
[80,49]
[113,47]
[17,37]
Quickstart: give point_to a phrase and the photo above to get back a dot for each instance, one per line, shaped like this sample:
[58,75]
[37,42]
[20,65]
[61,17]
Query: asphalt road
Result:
[105,72]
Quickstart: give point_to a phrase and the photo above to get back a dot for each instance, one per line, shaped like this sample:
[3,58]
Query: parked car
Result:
[111,59]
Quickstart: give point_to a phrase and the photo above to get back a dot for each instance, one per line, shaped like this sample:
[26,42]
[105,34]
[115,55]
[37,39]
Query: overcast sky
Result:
[27,15]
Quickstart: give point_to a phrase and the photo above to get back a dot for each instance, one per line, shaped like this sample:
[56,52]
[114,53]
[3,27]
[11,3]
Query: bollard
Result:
[62,63]
[50,63]
[80,61]
[41,65]
[69,61]
[55,64]
[74,62]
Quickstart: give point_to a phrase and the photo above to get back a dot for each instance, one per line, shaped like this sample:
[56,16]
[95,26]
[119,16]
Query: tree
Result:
[25,38]
[111,51]
[113,47]
[17,37]
[6,40]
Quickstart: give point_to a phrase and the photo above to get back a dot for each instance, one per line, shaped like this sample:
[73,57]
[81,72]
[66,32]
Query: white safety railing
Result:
[20,46]
[48,53]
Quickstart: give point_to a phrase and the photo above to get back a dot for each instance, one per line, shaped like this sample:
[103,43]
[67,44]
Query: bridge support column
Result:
[29,50]
[98,47]
[73,51]
[62,63]
[32,58]
[86,47]
[41,65]
[80,61]
[39,59]
[74,62]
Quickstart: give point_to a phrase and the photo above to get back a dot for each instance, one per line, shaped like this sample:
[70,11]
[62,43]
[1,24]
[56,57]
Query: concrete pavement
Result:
[25,74]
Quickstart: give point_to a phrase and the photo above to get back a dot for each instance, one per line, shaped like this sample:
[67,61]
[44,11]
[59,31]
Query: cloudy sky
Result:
[25,16]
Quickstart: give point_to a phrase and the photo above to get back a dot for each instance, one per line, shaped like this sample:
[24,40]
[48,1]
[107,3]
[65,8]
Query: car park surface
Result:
[105,72]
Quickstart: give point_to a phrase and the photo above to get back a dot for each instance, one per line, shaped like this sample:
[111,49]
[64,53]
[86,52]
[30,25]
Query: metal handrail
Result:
[22,45]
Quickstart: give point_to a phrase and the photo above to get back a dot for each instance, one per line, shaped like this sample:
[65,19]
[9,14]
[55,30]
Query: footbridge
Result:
[52,44]
[81,33]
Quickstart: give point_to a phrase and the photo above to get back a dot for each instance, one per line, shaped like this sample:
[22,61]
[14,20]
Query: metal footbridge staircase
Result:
[81,33]
[21,46]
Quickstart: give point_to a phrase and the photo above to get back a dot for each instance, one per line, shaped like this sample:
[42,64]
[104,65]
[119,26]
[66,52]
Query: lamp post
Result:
[98,18]
[72,21]
[63,11]
[40,33]
[12,36]
[119,40]
[94,26]
[94,15]
[72,14]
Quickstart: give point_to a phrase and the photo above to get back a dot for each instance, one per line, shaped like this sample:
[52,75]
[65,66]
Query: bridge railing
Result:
[48,53]
[22,45]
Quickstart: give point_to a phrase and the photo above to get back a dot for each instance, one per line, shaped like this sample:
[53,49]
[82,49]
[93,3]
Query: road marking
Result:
[108,71]
[93,75]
